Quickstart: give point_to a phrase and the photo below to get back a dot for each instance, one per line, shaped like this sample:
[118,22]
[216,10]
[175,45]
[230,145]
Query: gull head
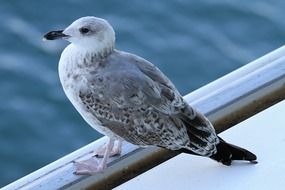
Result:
[87,32]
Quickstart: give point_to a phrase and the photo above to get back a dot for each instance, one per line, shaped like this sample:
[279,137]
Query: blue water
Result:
[193,42]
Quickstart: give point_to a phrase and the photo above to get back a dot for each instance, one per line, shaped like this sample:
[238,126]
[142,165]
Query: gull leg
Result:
[109,147]
[115,151]
[91,166]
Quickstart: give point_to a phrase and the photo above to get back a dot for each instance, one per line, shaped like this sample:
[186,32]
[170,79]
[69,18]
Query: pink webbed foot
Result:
[91,166]
[88,167]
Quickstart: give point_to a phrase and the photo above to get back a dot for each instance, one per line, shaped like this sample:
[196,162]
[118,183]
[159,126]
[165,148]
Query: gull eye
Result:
[84,30]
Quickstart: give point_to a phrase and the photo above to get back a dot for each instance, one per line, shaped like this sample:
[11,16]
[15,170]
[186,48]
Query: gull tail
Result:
[226,153]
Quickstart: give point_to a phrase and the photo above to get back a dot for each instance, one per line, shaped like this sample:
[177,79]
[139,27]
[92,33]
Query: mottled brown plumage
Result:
[137,102]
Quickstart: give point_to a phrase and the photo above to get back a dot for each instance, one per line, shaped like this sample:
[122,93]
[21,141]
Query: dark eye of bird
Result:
[83,30]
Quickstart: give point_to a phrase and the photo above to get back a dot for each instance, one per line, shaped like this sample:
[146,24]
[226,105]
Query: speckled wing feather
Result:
[133,99]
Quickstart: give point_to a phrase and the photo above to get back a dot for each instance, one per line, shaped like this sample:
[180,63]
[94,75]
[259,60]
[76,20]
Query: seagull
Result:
[125,97]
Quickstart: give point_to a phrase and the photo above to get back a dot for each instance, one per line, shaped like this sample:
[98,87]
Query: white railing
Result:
[226,101]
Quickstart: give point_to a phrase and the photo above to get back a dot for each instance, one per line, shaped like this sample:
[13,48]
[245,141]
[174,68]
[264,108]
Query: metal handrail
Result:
[226,102]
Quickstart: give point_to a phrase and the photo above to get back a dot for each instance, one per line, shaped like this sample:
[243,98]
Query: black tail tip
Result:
[226,153]
[253,162]
[250,156]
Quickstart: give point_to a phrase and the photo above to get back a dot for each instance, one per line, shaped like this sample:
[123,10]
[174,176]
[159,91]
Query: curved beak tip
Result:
[53,35]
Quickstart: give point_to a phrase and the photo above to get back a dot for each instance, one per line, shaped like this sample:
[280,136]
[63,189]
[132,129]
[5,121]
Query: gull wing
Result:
[136,101]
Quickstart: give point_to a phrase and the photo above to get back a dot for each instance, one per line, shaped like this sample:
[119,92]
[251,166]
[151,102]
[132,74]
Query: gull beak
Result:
[54,35]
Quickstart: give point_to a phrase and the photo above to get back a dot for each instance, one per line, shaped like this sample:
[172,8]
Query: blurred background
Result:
[192,42]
